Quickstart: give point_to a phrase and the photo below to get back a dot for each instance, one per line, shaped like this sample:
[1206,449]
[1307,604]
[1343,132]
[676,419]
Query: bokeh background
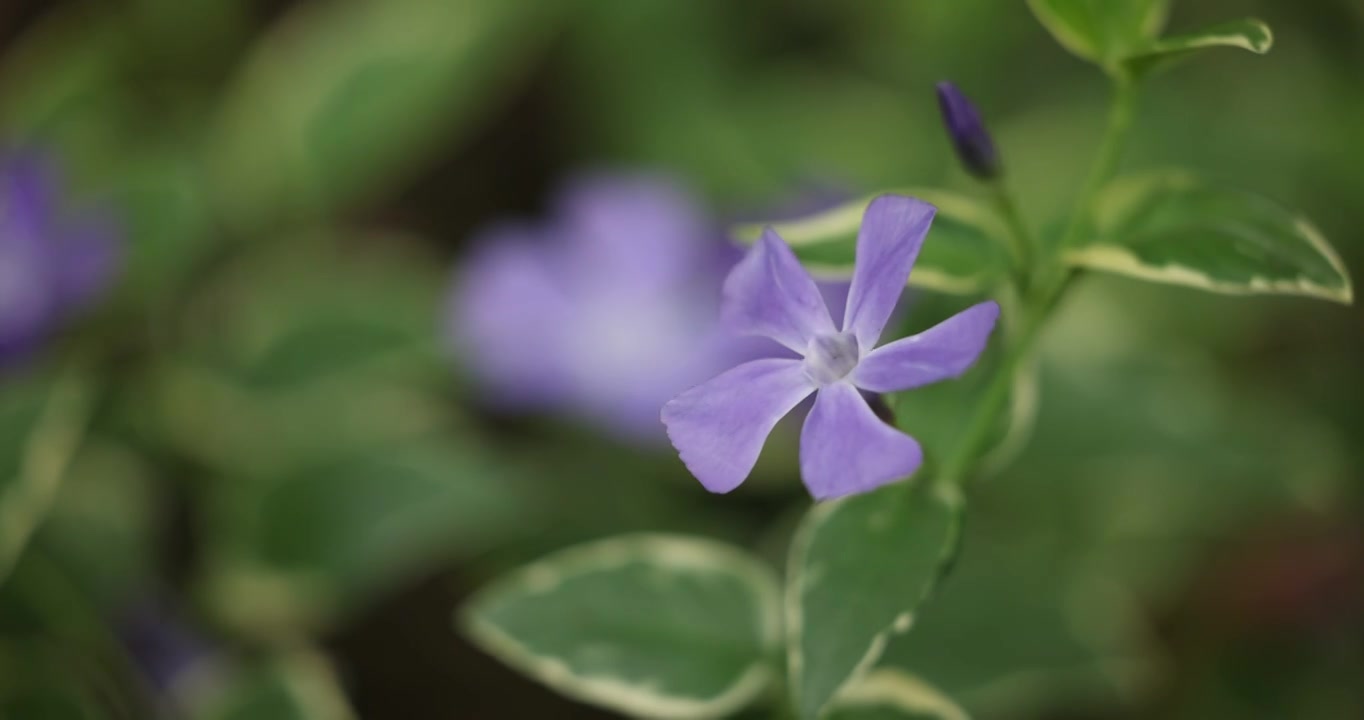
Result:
[287,482]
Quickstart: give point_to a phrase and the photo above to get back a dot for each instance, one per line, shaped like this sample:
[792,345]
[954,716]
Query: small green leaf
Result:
[892,694]
[1102,31]
[649,625]
[859,569]
[962,254]
[1248,34]
[1173,228]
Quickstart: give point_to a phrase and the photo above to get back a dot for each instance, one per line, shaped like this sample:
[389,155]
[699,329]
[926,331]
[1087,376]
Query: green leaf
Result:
[1102,31]
[39,681]
[892,694]
[649,625]
[103,528]
[297,686]
[1173,228]
[303,550]
[292,358]
[859,569]
[962,254]
[1016,624]
[1248,34]
[41,428]
[344,98]
[62,81]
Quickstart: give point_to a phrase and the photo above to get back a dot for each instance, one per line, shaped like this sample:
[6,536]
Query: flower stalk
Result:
[1040,303]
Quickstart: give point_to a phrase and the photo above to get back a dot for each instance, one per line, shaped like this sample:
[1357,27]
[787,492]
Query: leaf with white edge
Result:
[893,694]
[962,255]
[1173,228]
[1248,34]
[859,569]
[1102,31]
[652,626]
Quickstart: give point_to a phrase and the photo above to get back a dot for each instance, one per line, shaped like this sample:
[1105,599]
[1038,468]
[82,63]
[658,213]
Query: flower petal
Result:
[768,293]
[27,302]
[508,318]
[637,233]
[89,250]
[29,186]
[719,428]
[941,352]
[893,230]
[845,449]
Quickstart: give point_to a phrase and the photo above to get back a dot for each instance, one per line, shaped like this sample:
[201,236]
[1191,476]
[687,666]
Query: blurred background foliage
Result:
[259,443]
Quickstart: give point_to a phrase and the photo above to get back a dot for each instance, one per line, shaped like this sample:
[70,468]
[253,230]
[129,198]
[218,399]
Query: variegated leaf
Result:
[651,626]
[1174,228]
[859,569]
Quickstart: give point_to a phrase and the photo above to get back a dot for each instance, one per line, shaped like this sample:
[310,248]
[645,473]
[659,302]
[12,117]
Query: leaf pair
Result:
[673,627]
[1123,36]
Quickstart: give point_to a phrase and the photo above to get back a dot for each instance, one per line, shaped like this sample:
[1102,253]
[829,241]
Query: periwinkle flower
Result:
[53,261]
[604,312]
[972,141]
[719,427]
[163,647]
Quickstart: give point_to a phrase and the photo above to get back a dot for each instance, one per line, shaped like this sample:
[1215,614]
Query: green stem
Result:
[1041,301]
[1020,239]
[1120,117]
[958,466]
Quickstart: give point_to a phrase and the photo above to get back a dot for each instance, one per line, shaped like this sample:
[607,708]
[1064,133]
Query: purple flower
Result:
[606,311]
[719,427]
[161,644]
[53,263]
[972,141]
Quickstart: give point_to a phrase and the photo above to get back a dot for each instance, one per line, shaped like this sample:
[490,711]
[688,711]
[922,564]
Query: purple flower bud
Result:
[971,140]
[54,262]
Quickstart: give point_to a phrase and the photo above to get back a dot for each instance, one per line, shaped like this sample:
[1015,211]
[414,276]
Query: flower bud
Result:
[969,137]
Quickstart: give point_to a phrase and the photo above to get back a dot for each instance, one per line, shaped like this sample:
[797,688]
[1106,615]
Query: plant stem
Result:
[958,465]
[1020,239]
[1120,117]
[1042,300]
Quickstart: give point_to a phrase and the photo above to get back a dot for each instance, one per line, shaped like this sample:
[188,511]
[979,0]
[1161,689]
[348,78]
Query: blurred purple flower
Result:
[162,646]
[719,428]
[975,148]
[53,262]
[606,311]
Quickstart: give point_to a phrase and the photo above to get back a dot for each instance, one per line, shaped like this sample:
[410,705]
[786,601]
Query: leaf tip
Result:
[1265,42]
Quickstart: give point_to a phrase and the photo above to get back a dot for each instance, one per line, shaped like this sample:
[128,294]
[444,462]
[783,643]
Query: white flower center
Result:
[830,358]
